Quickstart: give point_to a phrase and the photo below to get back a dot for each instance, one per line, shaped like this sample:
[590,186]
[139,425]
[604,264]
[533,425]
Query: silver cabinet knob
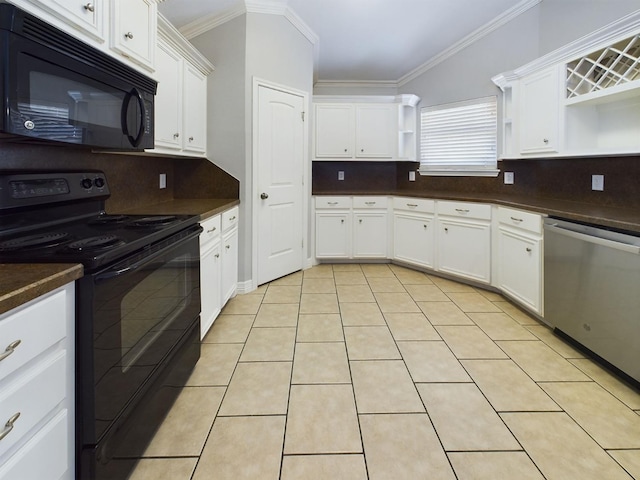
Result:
[191,139]
[89,7]
[128,35]
[545,140]
[528,250]
[264,196]
[176,135]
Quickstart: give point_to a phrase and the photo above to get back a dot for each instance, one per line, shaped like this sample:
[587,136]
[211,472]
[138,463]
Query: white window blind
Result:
[459,138]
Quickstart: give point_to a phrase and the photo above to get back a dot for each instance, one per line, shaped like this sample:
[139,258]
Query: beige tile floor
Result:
[381,372]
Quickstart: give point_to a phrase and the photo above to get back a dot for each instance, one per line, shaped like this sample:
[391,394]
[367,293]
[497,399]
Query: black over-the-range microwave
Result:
[56,88]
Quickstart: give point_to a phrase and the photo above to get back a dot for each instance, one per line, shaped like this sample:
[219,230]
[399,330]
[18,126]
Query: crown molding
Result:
[170,35]
[268,7]
[473,37]
[356,83]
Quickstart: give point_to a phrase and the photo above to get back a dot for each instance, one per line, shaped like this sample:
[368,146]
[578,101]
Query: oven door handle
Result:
[117,272]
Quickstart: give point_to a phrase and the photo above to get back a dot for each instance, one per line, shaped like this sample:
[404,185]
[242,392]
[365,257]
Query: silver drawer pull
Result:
[528,250]
[211,230]
[128,36]
[360,221]
[369,203]
[516,219]
[191,139]
[232,218]
[332,203]
[9,425]
[446,229]
[342,220]
[89,7]
[176,135]
[10,349]
[217,255]
[425,226]
[412,204]
[462,210]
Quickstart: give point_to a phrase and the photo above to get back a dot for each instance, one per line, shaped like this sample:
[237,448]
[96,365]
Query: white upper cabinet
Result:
[133,30]
[89,17]
[539,112]
[376,130]
[580,100]
[365,127]
[334,131]
[181,100]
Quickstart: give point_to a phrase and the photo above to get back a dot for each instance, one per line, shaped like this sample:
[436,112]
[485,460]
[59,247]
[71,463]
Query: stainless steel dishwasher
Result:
[592,291]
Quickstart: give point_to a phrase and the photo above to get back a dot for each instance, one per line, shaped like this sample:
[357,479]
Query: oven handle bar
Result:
[116,272]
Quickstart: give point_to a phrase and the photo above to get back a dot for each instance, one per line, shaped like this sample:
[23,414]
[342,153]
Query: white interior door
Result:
[279,169]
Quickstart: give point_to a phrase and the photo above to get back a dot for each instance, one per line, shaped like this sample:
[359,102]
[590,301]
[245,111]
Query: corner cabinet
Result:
[580,100]
[37,385]
[181,101]
[364,127]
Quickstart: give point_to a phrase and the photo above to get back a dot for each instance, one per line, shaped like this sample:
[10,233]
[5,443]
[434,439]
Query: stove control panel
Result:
[18,189]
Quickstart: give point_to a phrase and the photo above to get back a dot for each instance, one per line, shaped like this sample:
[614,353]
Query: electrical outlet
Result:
[412,176]
[163,180]
[508,178]
[597,182]
[340,175]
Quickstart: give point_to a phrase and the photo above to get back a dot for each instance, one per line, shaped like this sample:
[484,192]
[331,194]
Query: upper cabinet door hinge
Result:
[303,116]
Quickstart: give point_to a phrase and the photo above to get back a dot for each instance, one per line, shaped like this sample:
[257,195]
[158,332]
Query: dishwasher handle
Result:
[625,247]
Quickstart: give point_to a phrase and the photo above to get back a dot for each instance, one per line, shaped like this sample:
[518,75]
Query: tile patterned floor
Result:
[381,372]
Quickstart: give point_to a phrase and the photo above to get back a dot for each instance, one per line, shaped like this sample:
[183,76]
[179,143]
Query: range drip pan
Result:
[41,240]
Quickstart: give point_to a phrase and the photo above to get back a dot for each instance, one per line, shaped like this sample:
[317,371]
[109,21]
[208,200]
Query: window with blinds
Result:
[459,139]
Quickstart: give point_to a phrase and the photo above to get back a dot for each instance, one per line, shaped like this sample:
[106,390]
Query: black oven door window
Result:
[60,104]
[141,311]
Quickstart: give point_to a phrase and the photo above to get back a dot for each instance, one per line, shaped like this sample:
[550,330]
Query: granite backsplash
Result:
[133,179]
[560,179]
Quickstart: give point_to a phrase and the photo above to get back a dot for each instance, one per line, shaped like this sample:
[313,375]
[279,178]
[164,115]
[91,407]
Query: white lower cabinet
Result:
[520,257]
[37,388]
[413,231]
[464,240]
[218,265]
[229,254]
[352,227]
[210,270]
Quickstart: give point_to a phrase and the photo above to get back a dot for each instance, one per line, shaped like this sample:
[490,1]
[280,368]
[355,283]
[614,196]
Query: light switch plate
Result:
[597,182]
[412,176]
[163,180]
[508,178]
[340,175]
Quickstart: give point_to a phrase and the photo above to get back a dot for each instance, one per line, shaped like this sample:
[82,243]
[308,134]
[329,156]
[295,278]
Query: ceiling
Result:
[365,40]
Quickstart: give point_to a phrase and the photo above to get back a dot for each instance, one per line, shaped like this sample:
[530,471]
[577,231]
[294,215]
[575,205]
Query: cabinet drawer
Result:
[44,455]
[370,202]
[211,230]
[230,218]
[333,202]
[37,327]
[33,395]
[423,205]
[480,211]
[531,222]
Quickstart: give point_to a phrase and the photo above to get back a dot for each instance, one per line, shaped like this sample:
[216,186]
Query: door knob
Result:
[264,196]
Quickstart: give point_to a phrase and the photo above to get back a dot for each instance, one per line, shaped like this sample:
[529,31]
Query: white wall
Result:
[252,45]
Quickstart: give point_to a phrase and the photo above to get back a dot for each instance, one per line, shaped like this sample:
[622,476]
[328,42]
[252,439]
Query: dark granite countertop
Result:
[612,217]
[204,207]
[20,282]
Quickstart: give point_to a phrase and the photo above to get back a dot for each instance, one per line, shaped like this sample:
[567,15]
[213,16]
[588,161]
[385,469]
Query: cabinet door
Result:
[195,110]
[133,32]
[520,267]
[333,234]
[333,131]
[464,248]
[85,16]
[229,275]
[539,114]
[376,129]
[210,288]
[370,235]
[168,105]
[413,239]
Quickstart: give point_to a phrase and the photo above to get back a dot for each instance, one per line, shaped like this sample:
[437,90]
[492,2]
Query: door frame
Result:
[306,182]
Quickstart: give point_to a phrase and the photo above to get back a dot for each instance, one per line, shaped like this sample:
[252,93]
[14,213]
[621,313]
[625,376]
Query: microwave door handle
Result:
[135,141]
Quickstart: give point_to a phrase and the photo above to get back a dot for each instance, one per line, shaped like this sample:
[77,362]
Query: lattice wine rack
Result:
[606,68]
